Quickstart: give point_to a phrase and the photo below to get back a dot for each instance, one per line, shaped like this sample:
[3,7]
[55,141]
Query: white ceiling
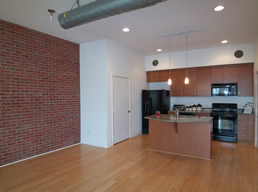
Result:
[238,23]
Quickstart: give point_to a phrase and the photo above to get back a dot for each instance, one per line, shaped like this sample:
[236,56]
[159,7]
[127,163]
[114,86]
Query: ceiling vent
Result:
[100,9]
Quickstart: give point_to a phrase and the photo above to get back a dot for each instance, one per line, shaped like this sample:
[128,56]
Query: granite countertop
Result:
[240,112]
[209,110]
[182,118]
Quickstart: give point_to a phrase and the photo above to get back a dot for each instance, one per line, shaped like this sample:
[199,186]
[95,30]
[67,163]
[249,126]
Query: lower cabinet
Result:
[202,114]
[245,128]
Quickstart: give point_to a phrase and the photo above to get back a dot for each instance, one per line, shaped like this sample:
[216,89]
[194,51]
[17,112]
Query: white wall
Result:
[100,60]
[125,62]
[202,57]
[93,58]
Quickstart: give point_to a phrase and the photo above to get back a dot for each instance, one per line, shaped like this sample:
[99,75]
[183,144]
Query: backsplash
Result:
[158,86]
[206,102]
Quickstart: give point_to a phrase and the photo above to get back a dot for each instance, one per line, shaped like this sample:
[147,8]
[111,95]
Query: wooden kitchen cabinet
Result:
[230,73]
[163,75]
[152,76]
[190,89]
[245,128]
[224,74]
[177,87]
[217,74]
[203,81]
[202,114]
[245,79]
[157,76]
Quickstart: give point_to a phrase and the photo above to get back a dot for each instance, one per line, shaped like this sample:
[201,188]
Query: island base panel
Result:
[188,139]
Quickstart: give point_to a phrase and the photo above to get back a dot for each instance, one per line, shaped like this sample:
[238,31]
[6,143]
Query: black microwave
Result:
[224,89]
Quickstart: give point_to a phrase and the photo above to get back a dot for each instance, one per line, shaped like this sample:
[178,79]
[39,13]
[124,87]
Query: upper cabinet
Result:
[224,74]
[217,74]
[157,76]
[190,89]
[245,79]
[203,81]
[230,74]
[177,87]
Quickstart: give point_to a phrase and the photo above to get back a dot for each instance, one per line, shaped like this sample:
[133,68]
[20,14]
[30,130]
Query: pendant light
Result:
[186,58]
[51,14]
[169,60]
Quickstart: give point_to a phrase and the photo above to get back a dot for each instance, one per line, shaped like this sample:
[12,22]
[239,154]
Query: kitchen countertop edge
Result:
[184,119]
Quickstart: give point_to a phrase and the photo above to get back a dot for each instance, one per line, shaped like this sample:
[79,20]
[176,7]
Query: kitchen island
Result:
[188,135]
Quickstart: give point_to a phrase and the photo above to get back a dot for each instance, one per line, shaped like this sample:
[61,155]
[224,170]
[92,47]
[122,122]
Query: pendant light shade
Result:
[186,80]
[169,81]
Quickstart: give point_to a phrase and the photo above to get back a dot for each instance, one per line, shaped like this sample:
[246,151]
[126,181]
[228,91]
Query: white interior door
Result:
[121,109]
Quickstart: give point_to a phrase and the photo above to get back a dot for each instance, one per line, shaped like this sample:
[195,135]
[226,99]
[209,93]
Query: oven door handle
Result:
[231,116]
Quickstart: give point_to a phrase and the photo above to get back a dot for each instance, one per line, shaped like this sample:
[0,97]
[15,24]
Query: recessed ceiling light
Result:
[159,50]
[224,41]
[126,29]
[219,8]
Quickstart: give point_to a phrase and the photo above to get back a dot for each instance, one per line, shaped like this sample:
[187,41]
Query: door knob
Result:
[129,111]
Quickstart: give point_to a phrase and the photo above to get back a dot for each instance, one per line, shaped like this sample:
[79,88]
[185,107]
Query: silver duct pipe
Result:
[100,9]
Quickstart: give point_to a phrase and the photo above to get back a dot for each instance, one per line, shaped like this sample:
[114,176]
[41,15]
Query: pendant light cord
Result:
[186,49]
[169,55]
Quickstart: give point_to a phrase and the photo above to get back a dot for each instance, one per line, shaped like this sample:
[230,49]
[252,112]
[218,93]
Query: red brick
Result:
[39,95]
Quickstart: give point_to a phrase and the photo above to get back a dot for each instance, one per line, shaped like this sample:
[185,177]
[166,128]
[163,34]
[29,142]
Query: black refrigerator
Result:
[152,101]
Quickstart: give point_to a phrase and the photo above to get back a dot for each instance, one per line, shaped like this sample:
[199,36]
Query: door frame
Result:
[112,102]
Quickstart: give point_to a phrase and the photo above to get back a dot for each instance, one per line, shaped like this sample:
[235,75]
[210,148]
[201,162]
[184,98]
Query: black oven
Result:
[224,122]
[224,89]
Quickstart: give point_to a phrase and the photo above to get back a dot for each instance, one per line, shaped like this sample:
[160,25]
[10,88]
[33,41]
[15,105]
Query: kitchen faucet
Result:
[177,114]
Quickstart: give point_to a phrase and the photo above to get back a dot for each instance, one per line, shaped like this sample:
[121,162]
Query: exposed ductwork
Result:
[100,9]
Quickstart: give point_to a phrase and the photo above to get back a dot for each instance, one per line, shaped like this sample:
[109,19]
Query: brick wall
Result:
[39,93]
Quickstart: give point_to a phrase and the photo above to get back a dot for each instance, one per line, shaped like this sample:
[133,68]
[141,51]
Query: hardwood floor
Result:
[130,166]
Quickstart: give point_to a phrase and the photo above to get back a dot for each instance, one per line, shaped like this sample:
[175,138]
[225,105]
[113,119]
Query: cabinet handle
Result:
[244,135]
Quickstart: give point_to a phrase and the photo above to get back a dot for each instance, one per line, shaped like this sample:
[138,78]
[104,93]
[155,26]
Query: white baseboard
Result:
[39,155]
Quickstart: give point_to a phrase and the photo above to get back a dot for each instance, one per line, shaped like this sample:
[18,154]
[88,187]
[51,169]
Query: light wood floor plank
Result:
[130,166]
